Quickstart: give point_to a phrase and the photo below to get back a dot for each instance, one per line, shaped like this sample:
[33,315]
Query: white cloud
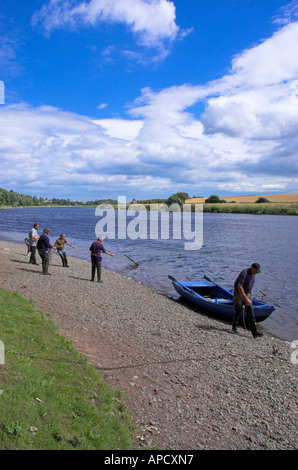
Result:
[287,13]
[102,106]
[246,140]
[271,62]
[121,128]
[153,21]
[9,45]
[259,113]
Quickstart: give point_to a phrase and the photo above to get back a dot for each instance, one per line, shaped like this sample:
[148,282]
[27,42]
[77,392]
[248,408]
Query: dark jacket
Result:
[43,243]
[96,248]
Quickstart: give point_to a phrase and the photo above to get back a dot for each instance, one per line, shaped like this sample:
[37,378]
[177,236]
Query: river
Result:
[231,242]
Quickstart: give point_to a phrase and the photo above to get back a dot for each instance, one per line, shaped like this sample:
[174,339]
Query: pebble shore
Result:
[189,383]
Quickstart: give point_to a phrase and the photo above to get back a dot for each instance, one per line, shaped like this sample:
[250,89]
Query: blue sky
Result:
[145,98]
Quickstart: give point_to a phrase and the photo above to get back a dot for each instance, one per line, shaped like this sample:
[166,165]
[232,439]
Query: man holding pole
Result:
[243,296]
[44,247]
[59,244]
[96,248]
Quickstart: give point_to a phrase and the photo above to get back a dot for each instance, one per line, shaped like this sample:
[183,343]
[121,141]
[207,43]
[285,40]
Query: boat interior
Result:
[209,291]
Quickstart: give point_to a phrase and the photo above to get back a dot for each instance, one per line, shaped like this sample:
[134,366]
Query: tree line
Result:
[13,199]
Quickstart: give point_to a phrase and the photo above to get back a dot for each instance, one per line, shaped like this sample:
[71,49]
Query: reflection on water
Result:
[231,242]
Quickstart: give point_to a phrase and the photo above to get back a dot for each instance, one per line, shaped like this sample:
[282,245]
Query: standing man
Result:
[243,296]
[43,246]
[59,244]
[33,239]
[96,248]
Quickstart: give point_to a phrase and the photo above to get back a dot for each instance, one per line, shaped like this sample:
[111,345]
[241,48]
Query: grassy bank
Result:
[253,208]
[50,397]
[236,208]
[241,208]
[229,207]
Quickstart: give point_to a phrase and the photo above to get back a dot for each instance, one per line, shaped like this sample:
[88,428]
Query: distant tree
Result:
[152,201]
[13,198]
[214,199]
[177,198]
[262,199]
[174,199]
[182,196]
[4,197]
[28,200]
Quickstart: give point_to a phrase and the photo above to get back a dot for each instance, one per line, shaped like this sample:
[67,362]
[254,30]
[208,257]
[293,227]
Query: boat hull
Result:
[216,300]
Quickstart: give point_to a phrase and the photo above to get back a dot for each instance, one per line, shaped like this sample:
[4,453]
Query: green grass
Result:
[274,208]
[50,397]
[253,208]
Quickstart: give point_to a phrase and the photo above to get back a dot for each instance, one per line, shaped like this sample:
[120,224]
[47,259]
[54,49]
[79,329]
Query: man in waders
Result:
[59,244]
[243,296]
[96,248]
[44,248]
[33,239]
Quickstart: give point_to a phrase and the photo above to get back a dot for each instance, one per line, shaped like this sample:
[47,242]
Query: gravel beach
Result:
[189,382]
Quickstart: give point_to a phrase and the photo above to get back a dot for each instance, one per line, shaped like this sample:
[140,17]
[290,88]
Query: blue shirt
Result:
[246,280]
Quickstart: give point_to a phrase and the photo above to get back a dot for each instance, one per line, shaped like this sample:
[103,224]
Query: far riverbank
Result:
[227,208]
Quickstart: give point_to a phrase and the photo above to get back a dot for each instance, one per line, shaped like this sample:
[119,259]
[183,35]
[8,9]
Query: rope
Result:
[243,315]
[142,364]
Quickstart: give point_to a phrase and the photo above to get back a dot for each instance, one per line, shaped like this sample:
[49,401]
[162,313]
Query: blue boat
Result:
[215,299]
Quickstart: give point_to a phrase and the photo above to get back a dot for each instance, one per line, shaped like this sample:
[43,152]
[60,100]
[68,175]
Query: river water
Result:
[231,242]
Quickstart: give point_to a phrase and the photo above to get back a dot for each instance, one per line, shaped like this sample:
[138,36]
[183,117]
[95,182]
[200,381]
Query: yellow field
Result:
[292,197]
